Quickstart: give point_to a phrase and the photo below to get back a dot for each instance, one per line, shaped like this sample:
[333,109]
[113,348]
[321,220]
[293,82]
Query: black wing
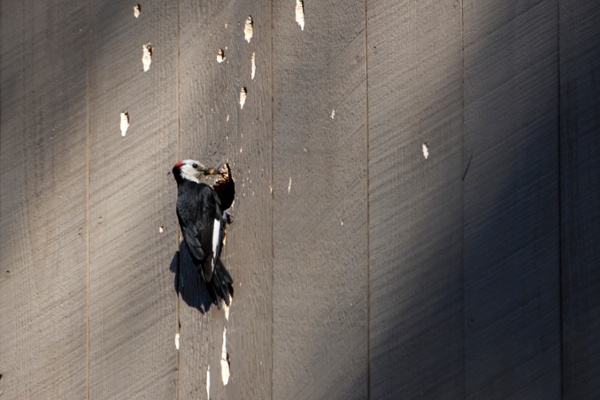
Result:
[197,212]
[211,237]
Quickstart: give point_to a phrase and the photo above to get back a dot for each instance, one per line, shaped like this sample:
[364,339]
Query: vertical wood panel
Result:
[511,200]
[42,200]
[580,196]
[320,338]
[214,130]
[415,202]
[132,301]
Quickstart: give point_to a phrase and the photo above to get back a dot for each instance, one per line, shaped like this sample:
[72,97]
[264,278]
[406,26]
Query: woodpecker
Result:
[203,227]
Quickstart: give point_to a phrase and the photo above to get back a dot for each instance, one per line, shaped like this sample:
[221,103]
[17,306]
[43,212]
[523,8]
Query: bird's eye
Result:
[195,165]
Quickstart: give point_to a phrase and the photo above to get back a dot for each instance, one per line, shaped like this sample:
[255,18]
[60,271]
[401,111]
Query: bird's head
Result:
[191,170]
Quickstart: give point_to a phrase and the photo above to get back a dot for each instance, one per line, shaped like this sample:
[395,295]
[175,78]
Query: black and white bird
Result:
[203,227]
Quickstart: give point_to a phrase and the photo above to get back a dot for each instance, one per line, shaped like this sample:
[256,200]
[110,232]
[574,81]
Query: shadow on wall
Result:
[187,282]
[507,290]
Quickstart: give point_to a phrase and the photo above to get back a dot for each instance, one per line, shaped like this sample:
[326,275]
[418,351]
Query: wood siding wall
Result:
[417,210]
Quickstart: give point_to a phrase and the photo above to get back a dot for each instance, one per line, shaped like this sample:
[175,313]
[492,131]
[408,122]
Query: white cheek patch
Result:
[215,239]
[188,172]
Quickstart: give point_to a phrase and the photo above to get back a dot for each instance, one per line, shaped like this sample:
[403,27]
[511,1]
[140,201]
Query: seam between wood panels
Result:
[178,80]
[368,210]
[272,180]
[462,182]
[88,196]
[560,210]
[1,57]
[178,301]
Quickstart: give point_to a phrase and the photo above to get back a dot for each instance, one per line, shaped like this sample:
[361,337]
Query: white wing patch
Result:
[215,239]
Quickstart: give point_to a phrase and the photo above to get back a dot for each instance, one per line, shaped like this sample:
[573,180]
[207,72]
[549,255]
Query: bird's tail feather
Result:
[221,285]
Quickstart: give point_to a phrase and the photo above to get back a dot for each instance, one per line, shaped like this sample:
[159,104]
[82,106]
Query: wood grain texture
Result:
[320,323]
[511,203]
[42,192]
[416,212]
[415,203]
[215,129]
[580,197]
[132,301]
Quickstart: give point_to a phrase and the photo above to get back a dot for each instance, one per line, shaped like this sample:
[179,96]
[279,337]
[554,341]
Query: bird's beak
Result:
[209,171]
